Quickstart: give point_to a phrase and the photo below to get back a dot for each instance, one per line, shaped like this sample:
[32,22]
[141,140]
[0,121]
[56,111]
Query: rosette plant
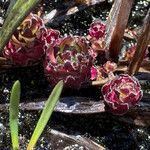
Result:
[96,35]
[97,29]
[69,60]
[121,93]
[27,44]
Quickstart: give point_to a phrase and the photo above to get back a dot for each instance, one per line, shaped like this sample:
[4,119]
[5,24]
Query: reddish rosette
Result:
[31,29]
[69,60]
[130,53]
[121,93]
[27,45]
[96,35]
[24,56]
[97,30]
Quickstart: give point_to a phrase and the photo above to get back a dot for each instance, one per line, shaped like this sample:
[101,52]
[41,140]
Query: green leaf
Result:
[12,3]
[13,114]
[46,114]
[15,16]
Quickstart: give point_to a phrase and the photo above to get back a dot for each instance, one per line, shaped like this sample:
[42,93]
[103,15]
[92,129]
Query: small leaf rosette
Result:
[121,93]
[69,60]
[97,30]
[96,35]
[27,44]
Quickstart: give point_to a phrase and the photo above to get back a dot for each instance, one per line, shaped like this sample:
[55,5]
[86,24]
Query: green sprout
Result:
[13,114]
[45,115]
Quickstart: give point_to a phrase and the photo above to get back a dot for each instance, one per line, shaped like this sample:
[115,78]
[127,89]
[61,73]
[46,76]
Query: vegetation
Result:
[46,114]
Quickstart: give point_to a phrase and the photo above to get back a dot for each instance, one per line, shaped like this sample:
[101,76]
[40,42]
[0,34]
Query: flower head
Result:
[96,36]
[121,93]
[130,53]
[69,60]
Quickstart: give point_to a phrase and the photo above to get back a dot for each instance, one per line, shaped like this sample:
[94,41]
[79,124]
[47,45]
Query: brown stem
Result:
[3,61]
[144,67]
[101,82]
[142,44]
[116,24]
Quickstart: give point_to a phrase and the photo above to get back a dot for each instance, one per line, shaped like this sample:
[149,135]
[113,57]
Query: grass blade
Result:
[13,114]
[46,113]
[12,3]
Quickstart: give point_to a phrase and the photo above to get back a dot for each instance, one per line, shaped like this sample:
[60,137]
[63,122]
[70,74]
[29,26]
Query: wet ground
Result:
[101,128]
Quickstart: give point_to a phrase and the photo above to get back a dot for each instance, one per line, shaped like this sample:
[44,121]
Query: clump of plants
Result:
[78,61]
[73,59]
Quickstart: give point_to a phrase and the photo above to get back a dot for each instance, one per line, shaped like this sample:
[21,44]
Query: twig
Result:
[142,44]
[116,24]
[101,82]
[139,115]
[122,68]
[145,66]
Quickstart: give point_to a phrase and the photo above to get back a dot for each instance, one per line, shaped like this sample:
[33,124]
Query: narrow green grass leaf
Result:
[12,3]
[13,114]
[15,16]
[46,114]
